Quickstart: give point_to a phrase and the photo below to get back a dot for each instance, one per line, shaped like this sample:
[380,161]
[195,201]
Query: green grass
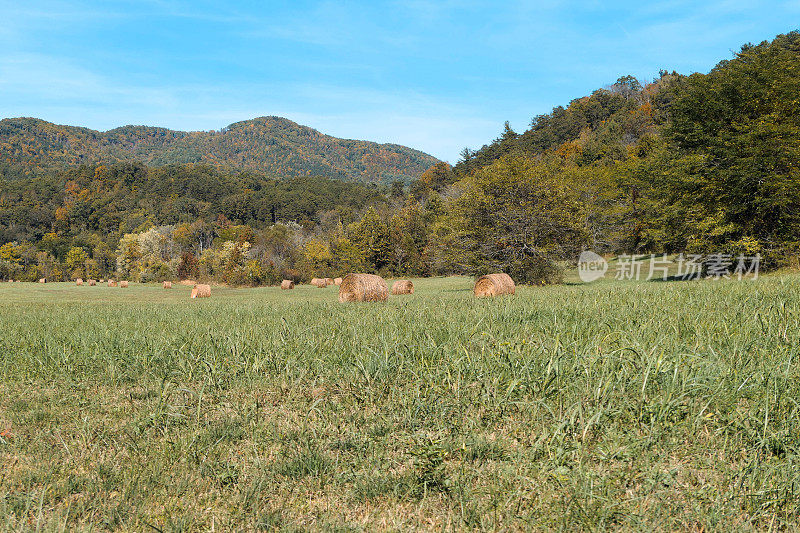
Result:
[607,406]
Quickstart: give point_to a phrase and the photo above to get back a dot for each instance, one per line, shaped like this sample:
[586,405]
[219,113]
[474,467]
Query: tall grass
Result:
[614,405]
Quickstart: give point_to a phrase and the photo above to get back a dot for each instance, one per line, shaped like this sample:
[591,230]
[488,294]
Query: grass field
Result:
[622,405]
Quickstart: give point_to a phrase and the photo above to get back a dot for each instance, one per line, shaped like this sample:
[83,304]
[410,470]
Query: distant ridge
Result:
[274,145]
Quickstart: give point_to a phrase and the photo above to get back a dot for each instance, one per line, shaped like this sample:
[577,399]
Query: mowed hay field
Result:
[620,405]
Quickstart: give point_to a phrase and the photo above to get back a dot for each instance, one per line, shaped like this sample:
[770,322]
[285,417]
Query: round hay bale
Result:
[287,284]
[112,283]
[167,284]
[319,283]
[123,284]
[102,281]
[91,282]
[337,281]
[363,288]
[402,286]
[42,280]
[329,281]
[494,285]
[201,291]
[79,282]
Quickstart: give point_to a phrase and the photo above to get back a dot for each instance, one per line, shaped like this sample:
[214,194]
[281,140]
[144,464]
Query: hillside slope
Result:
[272,145]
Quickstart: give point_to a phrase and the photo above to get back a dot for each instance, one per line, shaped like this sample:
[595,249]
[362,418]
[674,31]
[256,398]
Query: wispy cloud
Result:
[68,94]
[52,80]
[433,75]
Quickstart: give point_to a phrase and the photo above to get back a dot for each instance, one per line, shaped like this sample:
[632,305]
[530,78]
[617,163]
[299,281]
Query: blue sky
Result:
[437,76]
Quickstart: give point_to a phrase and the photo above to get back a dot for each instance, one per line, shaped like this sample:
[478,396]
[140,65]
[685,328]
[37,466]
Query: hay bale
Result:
[201,291]
[402,286]
[102,281]
[42,280]
[167,284]
[123,284]
[287,284]
[319,283]
[112,283]
[363,288]
[494,285]
[91,283]
[329,281]
[337,281]
[79,282]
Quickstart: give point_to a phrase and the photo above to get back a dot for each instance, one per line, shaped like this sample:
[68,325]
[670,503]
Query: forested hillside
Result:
[271,145]
[700,164]
[706,163]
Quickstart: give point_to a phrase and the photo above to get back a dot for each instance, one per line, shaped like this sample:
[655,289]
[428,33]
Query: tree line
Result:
[705,163]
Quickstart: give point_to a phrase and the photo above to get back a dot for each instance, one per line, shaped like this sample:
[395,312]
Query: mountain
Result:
[272,145]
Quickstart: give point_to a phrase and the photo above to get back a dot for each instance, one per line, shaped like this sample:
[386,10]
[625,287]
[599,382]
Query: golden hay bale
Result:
[167,284]
[319,283]
[337,281]
[201,291]
[91,282]
[329,281]
[363,288]
[79,282]
[112,283]
[42,280]
[402,286]
[123,284]
[287,284]
[494,285]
